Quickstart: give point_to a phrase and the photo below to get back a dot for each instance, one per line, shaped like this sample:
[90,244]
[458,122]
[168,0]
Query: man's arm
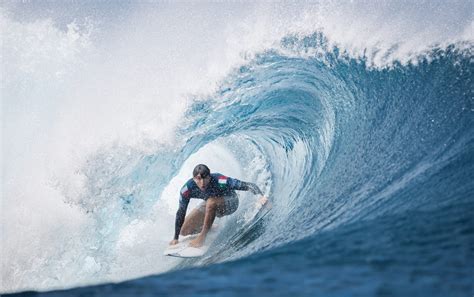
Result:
[239,185]
[180,215]
[184,198]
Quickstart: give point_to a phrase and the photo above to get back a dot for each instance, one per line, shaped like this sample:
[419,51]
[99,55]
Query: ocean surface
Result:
[363,144]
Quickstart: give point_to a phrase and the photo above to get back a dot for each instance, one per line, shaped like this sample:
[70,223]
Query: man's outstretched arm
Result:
[254,189]
[239,185]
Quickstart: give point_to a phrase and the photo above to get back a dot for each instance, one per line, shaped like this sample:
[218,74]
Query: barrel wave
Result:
[358,158]
[369,170]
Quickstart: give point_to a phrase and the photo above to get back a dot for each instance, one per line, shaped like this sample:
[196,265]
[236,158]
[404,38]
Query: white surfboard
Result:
[183,250]
[186,252]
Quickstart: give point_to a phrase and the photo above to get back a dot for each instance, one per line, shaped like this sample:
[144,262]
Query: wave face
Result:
[370,172]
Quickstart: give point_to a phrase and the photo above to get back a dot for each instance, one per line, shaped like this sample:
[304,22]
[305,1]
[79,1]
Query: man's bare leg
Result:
[193,222]
[213,204]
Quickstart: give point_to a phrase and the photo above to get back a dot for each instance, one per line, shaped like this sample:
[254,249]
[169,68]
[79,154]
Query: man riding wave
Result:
[220,199]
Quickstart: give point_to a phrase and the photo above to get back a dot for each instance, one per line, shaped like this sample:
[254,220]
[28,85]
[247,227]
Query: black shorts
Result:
[231,203]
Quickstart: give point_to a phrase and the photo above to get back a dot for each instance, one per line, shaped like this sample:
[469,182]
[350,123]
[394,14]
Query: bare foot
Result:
[197,242]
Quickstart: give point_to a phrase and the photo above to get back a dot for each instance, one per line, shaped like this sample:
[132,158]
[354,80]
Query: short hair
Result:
[201,170]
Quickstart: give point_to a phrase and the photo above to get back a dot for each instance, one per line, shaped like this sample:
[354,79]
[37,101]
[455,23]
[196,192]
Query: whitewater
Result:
[355,119]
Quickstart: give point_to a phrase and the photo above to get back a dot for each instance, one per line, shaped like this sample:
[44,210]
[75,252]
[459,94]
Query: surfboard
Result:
[183,250]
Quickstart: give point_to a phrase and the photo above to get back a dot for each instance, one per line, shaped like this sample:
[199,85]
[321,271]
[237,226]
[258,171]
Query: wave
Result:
[332,141]
[336,139]
[342,142]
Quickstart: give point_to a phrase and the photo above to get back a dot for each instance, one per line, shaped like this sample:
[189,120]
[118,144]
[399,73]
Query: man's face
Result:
[202,182]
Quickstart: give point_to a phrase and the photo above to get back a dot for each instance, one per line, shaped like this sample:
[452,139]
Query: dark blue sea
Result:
[369,170]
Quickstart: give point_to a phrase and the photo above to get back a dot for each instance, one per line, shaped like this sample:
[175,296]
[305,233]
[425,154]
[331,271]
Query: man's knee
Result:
[211,203]
[214,202]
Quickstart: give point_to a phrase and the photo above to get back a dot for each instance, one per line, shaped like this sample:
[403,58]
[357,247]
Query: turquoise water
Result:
[370,171]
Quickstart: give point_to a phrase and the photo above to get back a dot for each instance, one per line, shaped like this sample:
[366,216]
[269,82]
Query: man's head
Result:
[202,176]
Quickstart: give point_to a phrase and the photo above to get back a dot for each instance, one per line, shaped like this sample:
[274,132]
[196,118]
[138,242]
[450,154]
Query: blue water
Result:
[371,178]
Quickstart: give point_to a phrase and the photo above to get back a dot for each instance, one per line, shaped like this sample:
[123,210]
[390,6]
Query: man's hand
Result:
[263,202]
[174,241]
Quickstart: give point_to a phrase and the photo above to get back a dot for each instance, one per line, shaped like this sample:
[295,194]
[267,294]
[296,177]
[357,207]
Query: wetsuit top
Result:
[219,186]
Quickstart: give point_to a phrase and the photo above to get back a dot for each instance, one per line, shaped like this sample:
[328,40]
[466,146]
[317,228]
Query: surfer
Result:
[220,199]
